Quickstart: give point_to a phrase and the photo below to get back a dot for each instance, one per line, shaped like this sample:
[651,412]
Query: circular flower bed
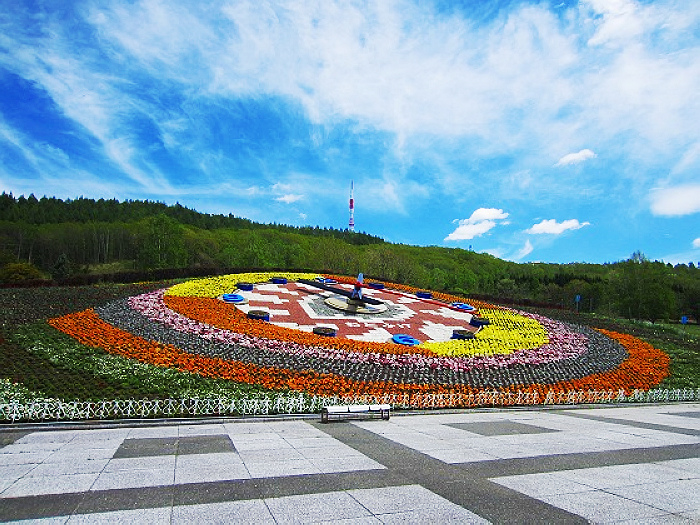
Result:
[189,328]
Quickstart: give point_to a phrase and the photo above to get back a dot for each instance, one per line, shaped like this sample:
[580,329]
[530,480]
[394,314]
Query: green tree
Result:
[161,243]
[63,268]
[643,289]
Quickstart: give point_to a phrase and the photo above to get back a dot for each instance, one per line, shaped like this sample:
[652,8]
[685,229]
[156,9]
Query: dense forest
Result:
[49,238]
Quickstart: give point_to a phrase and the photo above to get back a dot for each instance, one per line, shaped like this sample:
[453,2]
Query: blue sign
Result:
[405,339]
[578,298]
[684,319]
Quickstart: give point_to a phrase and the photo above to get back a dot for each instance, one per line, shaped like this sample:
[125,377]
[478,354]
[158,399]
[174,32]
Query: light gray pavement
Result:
[631,464]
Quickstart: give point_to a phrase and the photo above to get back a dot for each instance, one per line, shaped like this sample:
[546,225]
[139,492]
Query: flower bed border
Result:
[57,410]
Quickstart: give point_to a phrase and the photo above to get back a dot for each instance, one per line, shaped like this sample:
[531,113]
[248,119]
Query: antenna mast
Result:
[351,224]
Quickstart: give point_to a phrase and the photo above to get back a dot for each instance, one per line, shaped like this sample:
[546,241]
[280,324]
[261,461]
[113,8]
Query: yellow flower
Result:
[216,286]
[506,332]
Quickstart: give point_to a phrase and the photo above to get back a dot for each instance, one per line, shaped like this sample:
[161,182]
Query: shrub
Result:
[20,272]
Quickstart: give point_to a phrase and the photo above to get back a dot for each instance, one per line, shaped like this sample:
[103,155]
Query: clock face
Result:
[303,307]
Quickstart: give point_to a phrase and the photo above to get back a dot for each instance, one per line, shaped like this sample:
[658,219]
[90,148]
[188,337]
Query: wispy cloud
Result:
[552,227]
[480,222]
[429,110]
[676,201]
[525,250]
[289,198]
[576,158]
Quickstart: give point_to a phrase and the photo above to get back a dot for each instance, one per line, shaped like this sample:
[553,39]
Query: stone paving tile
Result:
[272,469]
[48,437]
[14,472]
[64,468]
[272,454]
[623,475]
[264,441]
[157,516]
[200,475]
[544,484]
[30,448]
[412,502]
[78,454]
[154,432]
[122,479]
[40,485]
[602,507]
[691,465]
[200,468]
[245,512]
[6,484]
[333,450]
[145,463]
[663,519]
[645,490]
[676,496]
[313,508]
[201,430]
[93,436]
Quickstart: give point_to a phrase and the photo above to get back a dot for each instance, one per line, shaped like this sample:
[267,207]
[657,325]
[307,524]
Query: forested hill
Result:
[50,210]
[53,239]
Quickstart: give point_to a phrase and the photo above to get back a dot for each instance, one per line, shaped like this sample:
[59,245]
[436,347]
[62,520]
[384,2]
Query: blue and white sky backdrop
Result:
[555,131]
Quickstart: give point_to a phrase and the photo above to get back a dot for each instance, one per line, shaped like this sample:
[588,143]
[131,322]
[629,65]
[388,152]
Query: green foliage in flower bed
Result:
[108,376]
[37,361]
[24,305]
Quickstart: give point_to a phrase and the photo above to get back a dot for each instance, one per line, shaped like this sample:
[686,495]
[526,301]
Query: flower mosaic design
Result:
[187,327]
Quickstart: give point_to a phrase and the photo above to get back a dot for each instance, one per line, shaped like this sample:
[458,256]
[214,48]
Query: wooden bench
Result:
[354,412]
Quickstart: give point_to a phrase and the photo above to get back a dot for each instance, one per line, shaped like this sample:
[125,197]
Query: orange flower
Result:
[645,367]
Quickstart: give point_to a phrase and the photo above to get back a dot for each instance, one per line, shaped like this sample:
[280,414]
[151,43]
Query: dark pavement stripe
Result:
[558,462]
[633,423]
[33,507]
[455,483]
[7,437]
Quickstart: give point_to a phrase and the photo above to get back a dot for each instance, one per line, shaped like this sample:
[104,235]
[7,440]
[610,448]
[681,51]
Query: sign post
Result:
[577,299]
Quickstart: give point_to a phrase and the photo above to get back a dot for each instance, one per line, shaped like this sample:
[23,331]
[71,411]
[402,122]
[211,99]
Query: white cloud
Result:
[621,21]
[481,221]
[551,226]
[696,243]
[676,201]
[289,198]
[576,158]
[487,214]
[689,159]
[368,63]
[525,250]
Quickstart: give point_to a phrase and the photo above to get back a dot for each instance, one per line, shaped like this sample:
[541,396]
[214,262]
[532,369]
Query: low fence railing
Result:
[58,410]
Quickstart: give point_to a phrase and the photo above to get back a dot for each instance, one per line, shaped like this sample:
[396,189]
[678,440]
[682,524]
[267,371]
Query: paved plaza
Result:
[622,464]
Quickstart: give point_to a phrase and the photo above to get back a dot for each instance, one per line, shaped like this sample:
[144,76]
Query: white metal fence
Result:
[57,410]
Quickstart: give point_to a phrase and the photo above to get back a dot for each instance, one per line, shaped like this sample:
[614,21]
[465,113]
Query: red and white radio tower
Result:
[351,224]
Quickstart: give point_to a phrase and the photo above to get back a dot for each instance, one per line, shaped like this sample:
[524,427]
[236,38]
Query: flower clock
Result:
[338,336]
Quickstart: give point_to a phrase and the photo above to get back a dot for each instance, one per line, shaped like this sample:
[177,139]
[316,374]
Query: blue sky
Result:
[557,131]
